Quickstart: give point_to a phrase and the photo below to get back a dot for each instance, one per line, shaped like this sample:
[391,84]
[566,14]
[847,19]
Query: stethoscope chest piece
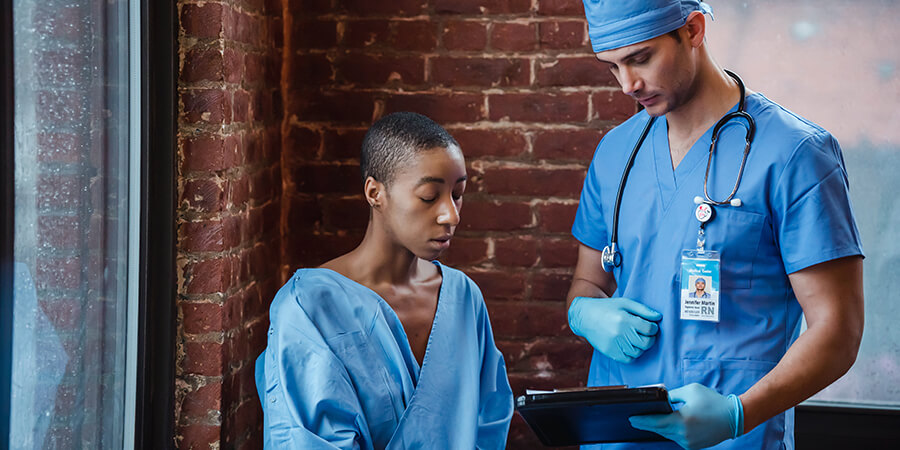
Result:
[611,258]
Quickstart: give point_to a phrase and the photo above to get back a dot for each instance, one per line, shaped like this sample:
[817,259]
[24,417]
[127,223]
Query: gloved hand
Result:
[618,327]
[705,419]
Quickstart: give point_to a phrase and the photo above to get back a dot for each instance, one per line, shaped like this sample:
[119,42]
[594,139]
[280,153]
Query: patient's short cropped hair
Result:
[394,139]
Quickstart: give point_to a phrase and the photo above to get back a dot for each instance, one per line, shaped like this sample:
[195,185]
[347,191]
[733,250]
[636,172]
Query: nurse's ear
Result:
[695,27]
[374,192]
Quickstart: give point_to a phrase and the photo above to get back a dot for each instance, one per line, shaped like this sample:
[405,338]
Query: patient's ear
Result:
[374,192]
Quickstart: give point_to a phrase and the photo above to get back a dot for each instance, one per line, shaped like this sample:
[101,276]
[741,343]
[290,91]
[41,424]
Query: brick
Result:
[313,34]
[492,142]
[61,107]
[484,72]
[302,213]
[59,232]
[208,276]
[66,23]
[59,147]
[418,36]
[441,108]
[204,402]
[561,8]
[344,143]
[204,236]
[203,358]
[311,70]
[60,192]
[496,285]
[345,213]
[548,355]
[332,106]
[392,8]
[465,251]
[203,65]
[330,178]
[198,437]
[309,6]
[550,286]
[208,152]
[365,33]
[496,216]
[313,250]
[539,107]
[520,251]
[465,35]
[207,105]
[482,7]
[58,273]
[375,70]
[202,317]
[563,35]
[241,106]
[202,21]
[255,68]
[203,195]
[517,319]
[64,314]
[233,65]
[575,145]
[559,253]
[612,105]
[301,144]
[65,68]
[514,36]
[543,181]
[242,27]
[557,217]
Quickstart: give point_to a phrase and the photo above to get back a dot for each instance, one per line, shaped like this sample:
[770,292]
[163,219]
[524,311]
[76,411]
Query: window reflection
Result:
[833,62]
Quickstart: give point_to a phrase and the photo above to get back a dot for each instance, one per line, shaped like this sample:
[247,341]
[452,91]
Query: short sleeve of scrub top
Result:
[811,210]
[589,227]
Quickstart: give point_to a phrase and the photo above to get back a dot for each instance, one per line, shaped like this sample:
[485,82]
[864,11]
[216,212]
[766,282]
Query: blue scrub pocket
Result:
[728,376]
[735,234]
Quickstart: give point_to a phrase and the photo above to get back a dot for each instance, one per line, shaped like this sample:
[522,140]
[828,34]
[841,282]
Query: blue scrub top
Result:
[796,212]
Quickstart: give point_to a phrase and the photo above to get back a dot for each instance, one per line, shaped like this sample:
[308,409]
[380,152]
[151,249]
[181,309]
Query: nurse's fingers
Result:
[639,309]
[645,327]
[640,341]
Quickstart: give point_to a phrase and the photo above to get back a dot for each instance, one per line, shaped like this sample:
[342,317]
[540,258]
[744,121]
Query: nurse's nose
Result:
[630,82]
[448,214]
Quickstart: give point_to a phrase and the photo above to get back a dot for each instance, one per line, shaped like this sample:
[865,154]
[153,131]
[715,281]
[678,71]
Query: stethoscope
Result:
[611,257]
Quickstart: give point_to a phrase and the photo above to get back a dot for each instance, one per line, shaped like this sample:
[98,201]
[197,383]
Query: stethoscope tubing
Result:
[610,255]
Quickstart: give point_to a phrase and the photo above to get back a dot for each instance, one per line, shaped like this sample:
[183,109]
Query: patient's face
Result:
[422,204]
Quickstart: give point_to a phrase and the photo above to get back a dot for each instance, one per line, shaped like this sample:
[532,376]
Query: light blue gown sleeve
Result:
[495,395]
[308,399]
[812,214]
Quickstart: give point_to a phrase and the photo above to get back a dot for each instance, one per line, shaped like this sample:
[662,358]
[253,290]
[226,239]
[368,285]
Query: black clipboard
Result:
[592,415]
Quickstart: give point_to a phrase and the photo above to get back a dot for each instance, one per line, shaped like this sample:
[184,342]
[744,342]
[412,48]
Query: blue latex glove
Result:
[618,327]
[705,419]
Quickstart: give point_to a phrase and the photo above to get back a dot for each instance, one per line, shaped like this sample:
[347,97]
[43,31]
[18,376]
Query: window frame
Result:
[7,209]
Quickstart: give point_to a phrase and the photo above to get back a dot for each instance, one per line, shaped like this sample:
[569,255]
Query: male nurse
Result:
[771,229]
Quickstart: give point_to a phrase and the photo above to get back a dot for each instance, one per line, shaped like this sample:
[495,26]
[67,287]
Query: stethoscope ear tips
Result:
[736,202]
[698,200]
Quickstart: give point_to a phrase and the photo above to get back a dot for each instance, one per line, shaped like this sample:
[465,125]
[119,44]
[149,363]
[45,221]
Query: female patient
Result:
[384,347]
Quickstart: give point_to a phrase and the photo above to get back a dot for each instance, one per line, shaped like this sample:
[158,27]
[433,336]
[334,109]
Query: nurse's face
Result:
[700,285]
[421,206]
[657,73]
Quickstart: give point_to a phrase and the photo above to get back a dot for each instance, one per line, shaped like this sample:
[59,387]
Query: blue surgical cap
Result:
[617,23]
[700,280]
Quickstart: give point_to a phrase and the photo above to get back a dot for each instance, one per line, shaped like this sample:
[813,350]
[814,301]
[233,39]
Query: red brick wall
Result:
[229,187]
[514,81]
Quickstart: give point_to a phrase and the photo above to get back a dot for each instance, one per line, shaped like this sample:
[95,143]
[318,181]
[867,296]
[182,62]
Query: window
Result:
[86,242]
[826,61]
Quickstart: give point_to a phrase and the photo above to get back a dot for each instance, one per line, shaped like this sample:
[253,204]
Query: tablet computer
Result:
[592,415]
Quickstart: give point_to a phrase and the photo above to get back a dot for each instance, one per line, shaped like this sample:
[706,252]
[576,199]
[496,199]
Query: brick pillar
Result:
[516,83]
[229,187]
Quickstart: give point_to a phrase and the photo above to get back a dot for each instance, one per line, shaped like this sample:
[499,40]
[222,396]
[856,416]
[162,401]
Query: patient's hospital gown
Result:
[338,371]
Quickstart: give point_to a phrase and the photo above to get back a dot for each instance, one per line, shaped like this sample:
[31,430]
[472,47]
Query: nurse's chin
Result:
[434,249]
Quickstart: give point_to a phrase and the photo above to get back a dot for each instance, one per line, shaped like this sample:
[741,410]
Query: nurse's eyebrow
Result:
[424,180]
[629,56]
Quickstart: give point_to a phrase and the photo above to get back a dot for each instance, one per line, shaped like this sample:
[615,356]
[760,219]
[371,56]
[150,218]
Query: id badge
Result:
[700,285]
